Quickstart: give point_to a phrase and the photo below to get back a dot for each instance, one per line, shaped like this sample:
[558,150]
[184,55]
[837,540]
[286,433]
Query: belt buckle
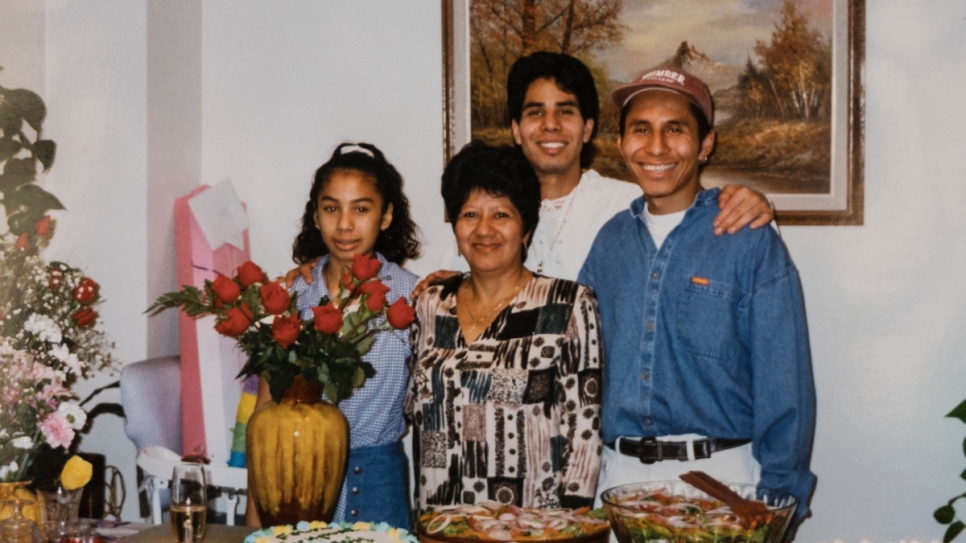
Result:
[659,455]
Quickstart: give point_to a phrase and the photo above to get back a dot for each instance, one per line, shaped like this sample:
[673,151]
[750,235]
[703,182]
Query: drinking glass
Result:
[189,501]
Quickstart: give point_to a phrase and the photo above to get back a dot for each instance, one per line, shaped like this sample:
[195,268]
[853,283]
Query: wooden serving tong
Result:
[752,513]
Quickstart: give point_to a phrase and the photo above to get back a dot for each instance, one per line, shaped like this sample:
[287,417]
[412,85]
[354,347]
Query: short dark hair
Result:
[498,171]
[570,74]
[396,243]
[704,128]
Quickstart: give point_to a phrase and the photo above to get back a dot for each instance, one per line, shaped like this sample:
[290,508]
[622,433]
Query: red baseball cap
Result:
[671,79]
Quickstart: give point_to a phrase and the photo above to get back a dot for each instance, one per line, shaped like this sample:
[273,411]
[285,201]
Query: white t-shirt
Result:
[660,226]
[567,226]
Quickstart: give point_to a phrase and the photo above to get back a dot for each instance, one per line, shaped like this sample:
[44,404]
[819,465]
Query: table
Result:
[214,533]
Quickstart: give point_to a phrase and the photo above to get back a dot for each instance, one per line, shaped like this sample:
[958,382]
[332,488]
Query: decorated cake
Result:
[491,521]
[344,532]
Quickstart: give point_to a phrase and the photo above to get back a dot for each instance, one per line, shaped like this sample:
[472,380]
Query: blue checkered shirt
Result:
[374,411]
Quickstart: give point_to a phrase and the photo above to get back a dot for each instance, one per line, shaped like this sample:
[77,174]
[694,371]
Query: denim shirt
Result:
[707,336]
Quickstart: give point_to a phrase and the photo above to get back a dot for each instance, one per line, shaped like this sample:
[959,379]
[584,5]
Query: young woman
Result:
[357,206]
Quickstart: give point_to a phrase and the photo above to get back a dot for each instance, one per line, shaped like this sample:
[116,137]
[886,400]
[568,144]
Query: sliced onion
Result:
[446,519]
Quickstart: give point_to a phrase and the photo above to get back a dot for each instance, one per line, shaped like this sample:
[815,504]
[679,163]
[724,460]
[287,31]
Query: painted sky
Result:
[725,30]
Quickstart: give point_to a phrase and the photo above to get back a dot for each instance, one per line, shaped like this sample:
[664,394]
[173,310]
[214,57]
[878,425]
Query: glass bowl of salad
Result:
[676,511]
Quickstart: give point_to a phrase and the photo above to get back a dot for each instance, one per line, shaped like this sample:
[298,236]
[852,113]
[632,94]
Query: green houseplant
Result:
[947,513]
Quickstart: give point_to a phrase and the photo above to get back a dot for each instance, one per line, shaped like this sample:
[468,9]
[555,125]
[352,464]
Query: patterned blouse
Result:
[514,417]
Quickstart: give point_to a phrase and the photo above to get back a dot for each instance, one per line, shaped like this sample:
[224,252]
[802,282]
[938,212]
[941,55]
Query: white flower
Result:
[73,413]
[62,353]
[12,467]
[43,327]
[23,442]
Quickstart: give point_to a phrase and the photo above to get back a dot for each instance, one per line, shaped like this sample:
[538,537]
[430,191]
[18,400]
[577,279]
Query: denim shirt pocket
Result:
[707,320]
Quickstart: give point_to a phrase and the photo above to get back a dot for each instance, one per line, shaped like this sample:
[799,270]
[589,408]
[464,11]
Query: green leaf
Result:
[34,197]
[18,171]
[28,105]
[331,392]
[358,378]
[9,147]
[365,344]
[945,514]
[953,531]
[959,412]
[44,151]
[23,221]
[10,121]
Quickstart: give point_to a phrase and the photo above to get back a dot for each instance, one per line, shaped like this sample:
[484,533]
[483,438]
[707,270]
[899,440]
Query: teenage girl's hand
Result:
[741,206]
[434,278]
[305,270]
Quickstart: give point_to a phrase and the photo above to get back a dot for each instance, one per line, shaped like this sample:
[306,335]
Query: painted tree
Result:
[794,81]
[504,30]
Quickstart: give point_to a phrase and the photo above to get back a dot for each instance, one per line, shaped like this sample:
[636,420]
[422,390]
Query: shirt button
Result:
[655,276]
[650,325]
[645,376]
[354,513]
[357,470]
[355,490]
[648,422]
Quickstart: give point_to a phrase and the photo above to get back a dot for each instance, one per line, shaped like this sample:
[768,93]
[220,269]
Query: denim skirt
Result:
[376,486]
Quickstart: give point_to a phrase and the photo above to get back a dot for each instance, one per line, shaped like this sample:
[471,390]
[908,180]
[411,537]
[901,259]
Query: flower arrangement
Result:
[48,333]
[263,318]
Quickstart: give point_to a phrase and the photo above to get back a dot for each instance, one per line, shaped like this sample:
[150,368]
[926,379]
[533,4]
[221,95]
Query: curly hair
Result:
[498,171]
[396,243]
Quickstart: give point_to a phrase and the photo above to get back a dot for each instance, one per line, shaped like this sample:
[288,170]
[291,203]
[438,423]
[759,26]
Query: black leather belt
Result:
[650,450]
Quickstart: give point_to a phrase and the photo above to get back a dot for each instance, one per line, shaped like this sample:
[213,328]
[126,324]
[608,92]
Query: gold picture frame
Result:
[808,188]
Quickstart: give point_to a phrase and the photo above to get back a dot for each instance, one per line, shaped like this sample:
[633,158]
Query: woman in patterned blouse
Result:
[506,369]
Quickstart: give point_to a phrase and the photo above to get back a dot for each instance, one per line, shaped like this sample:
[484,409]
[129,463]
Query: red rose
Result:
[275,298]
[237,320]
[42,228]
[347,282]
[364,267]
[400,314]
[22,242]
[226,289]
[84,317]
[328,319]
[249,273]
[286,330]
[376,292]
[55,278]
[86,291]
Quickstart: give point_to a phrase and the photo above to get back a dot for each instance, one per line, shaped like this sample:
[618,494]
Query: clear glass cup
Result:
[189,500]
[58,510]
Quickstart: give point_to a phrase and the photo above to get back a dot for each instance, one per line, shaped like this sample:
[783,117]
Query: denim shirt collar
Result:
[703,198]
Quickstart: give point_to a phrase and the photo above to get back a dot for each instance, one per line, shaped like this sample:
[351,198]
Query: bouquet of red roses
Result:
[263,318]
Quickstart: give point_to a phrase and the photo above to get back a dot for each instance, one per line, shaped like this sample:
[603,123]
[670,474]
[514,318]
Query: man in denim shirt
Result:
[706,345]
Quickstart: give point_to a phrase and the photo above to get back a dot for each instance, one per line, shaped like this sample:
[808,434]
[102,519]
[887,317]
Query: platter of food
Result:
[676,511]
[492,521]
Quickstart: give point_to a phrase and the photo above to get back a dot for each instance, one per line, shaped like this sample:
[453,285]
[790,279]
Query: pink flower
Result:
[57,430]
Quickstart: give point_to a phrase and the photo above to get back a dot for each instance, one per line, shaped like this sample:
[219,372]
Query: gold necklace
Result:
[477,321]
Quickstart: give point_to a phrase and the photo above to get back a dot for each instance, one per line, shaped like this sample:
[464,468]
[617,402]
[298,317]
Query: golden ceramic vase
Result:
[296,453]
[18,491]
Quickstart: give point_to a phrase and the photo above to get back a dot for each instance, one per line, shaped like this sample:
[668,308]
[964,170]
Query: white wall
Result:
[279,85]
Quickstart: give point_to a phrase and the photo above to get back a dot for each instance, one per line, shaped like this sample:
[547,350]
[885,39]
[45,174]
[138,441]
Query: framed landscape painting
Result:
[786,76]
